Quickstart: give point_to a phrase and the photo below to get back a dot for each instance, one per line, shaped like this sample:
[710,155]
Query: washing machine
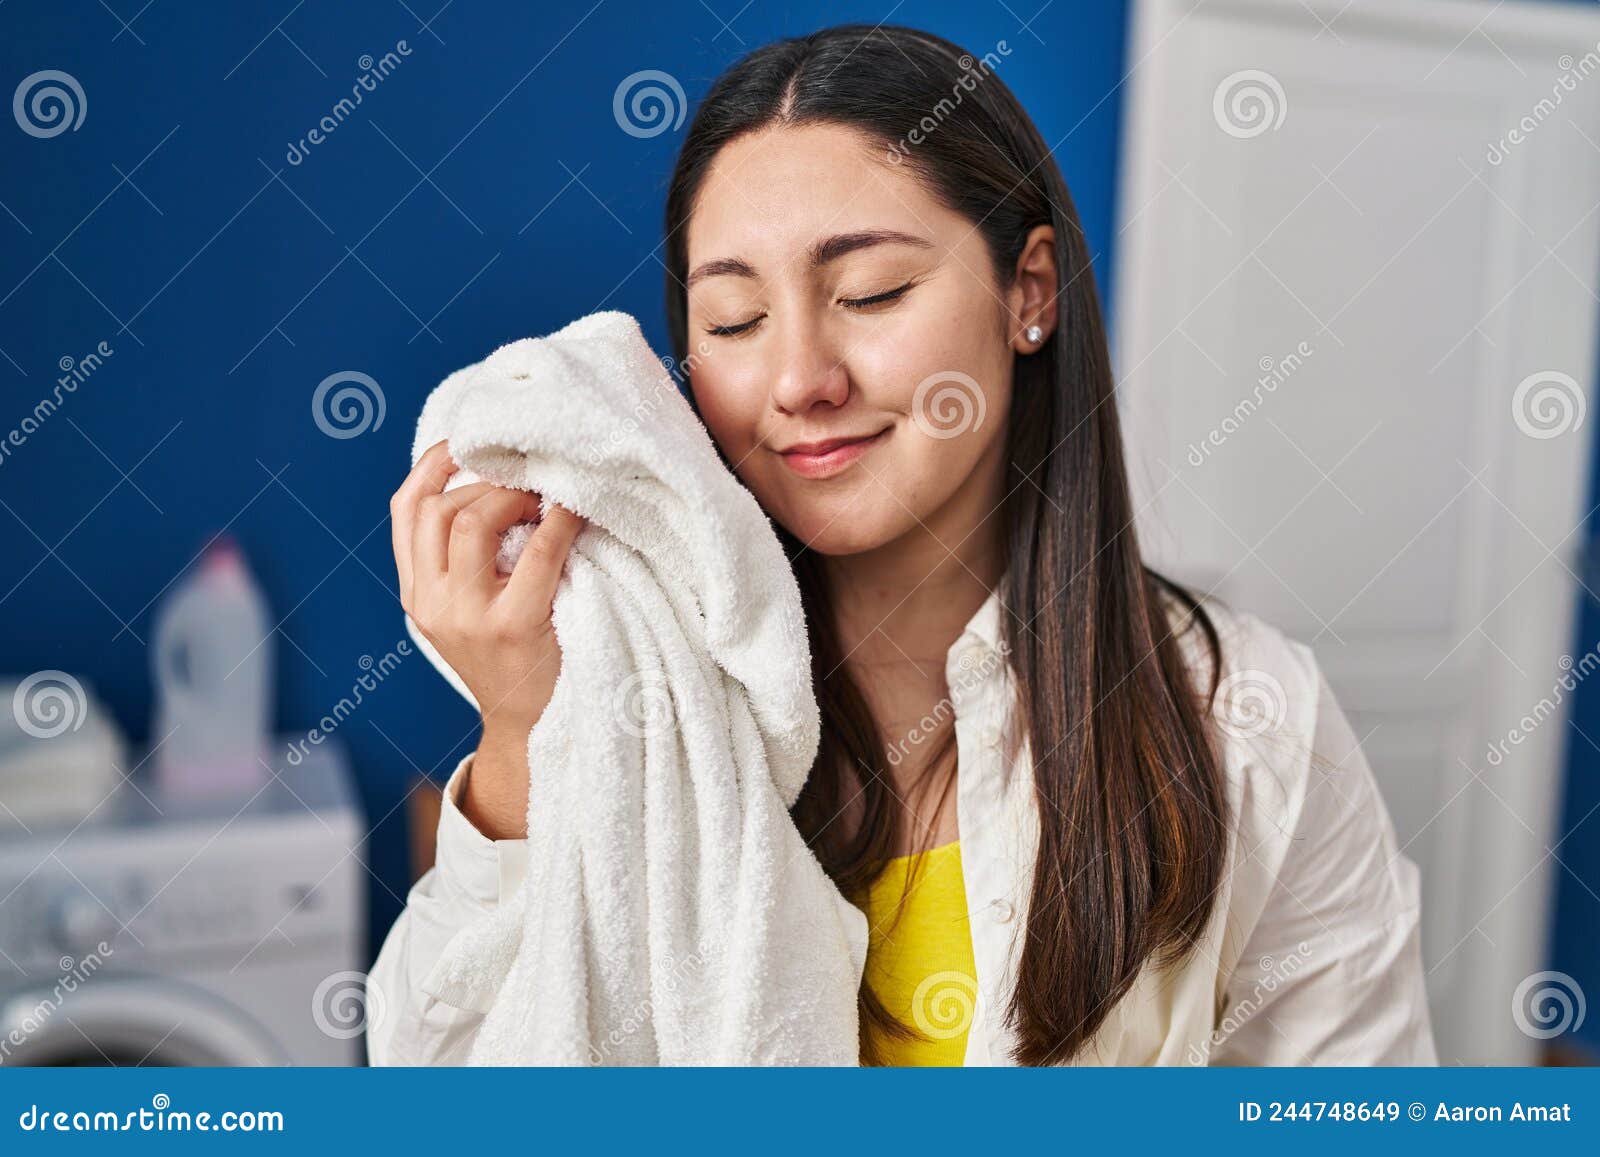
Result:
[224,930]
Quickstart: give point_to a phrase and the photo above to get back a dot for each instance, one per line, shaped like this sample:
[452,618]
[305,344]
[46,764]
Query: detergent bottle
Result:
[213,666]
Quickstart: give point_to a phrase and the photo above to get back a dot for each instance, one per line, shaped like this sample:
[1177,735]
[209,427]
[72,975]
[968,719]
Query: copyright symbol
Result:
[1416,1111]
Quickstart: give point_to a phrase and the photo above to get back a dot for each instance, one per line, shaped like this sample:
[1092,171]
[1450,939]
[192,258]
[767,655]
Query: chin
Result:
[840,528]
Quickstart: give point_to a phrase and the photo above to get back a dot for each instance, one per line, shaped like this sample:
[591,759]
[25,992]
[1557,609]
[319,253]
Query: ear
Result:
[1034,289]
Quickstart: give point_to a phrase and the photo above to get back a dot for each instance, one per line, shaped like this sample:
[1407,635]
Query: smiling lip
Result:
[827,458]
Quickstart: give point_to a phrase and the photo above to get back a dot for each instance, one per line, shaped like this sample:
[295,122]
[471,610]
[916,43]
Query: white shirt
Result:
[1312,955]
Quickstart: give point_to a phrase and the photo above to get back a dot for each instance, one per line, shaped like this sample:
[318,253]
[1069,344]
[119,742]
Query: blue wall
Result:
[229,283]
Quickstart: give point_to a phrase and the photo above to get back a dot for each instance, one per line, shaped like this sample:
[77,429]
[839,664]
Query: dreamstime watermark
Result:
[642,704]
[347,1004]
[73,974]
[373,73]
[682,371]
[642,1013]
[1572,71]
[948,404]
[74,372]
[1248,103]
[1250,704]
[49,703]
[1273,973]
[649,103]
[347,404]
[1547,1004]
[1572,673]
[973,73]
[376,672]
[944,1004]
[1273,374]
[648,403]
[973,673]
[47,104]
[160,1117]
[1548,404]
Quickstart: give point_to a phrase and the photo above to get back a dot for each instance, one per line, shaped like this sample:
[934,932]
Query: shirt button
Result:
[991,737]
[1004,910]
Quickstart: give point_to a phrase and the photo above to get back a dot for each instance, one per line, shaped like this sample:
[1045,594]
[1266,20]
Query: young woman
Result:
[1089,817]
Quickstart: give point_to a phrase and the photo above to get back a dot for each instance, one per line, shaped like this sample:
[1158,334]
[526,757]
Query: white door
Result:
[1355,336]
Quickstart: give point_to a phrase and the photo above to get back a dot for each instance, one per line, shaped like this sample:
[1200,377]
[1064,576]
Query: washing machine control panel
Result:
[181,890]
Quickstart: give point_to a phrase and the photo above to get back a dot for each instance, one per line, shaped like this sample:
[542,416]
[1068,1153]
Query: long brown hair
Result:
[1132,811]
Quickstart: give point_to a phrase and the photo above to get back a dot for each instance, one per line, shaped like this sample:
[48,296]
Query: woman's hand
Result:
[493,629]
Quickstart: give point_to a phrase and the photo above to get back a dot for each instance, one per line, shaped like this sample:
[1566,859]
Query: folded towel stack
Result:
[672,913]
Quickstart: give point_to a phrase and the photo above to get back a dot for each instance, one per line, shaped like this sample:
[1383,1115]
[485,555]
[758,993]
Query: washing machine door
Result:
[129,1021]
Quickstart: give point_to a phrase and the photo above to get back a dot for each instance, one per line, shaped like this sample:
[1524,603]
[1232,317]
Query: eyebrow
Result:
[829,249]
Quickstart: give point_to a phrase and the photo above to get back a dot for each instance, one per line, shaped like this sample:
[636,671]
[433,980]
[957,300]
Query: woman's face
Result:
[851,349]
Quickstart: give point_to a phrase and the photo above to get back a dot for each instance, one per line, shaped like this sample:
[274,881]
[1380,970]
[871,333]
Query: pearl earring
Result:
[1034,333]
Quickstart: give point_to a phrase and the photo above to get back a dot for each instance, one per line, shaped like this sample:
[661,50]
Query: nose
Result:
[809,371]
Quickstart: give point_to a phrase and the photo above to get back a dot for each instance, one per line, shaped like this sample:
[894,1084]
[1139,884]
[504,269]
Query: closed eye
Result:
[876,298]
[736,329]
[868,302]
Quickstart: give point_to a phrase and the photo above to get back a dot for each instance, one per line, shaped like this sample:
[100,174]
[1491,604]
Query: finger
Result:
[533,580]
[430,538]
[427,476]
[475,541]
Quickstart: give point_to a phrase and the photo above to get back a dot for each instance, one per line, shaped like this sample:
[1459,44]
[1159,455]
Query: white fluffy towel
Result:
[672,914]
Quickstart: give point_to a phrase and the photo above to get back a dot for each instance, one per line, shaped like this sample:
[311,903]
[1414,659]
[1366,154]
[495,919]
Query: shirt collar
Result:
[985,622]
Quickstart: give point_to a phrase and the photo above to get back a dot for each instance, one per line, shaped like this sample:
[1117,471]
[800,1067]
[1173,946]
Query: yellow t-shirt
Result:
[921,966]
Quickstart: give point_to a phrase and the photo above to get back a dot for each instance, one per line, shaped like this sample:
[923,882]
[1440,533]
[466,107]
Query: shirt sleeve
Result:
[413,1017]
[1332,973]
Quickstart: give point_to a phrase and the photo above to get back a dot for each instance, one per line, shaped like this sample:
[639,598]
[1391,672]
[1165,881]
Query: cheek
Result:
[955,395]
[952,334]
[730,412]
[926,470]
[947,373]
